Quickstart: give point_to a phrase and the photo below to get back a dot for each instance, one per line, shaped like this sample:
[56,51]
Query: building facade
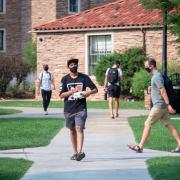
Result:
[18,17]
[100,31]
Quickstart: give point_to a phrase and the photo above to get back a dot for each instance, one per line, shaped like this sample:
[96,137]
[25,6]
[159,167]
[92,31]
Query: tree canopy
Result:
[173,9]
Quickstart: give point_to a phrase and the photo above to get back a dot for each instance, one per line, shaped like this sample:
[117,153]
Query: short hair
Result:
[72,60]
[152,61]
[118,62]
[45,66]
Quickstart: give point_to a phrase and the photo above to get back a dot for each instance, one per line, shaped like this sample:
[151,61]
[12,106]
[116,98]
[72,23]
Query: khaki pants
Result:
[158,114]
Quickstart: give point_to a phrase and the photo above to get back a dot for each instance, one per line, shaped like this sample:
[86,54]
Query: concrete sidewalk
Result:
[107,155]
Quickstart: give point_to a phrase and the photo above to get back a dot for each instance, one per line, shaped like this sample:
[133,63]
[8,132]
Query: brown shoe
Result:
[74,156]
[117,115]
[80,156]
[135,148]
[177,150]
[112,116]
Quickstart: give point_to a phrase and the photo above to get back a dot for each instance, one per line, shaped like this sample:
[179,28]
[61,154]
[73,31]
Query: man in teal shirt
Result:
[161,108]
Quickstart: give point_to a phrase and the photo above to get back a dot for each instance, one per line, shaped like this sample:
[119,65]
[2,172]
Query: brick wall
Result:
[21,15]
[56,48]
[26,22]
[62,6]
[153,41]
[95,3]
[19,18]
[43,11]
[54,51]
[11,22]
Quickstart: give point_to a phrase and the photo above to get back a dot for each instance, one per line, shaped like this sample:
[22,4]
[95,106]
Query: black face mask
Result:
[148,70]
[46,68]
[73,69]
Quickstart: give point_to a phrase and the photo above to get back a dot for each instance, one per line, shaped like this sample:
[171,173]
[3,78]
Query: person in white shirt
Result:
[113,87]
[44,84]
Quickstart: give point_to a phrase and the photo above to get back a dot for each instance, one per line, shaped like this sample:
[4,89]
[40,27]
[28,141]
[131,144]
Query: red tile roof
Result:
[117,14]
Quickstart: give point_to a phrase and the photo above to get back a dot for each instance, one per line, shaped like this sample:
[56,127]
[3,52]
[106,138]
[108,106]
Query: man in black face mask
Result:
[159,110]
[73,90]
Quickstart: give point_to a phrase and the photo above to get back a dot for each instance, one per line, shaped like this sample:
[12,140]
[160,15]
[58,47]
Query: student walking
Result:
[159,110]
[73,88]
[44,84]
[113,87]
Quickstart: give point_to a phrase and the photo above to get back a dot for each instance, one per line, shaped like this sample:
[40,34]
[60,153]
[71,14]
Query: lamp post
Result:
[164,48]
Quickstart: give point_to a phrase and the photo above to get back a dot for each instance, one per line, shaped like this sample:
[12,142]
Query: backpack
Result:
[169,88]
[49,76]
[113,76]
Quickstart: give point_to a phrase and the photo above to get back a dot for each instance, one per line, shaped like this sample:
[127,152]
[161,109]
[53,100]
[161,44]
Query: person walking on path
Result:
[113,88]
[159,110]
[73,88]
[44,83]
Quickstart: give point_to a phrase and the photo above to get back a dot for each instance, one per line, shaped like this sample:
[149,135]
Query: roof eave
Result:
[97,29]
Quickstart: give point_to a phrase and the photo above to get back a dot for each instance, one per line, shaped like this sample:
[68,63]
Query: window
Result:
[2,40]
[74,6]
[2,6]
[99,45]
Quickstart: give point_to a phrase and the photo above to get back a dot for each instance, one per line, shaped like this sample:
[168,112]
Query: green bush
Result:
[131,61]
[172,67]
[30,54]
[103,63]
[140,82]
[12,67]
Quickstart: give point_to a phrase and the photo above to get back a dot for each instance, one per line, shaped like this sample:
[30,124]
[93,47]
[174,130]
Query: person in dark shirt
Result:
[73,88]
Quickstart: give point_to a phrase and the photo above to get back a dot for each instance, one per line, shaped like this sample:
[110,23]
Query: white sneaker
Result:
[45,113]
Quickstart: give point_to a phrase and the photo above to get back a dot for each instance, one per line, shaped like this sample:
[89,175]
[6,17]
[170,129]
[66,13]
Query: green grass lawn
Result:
[9,111]
[165,168]
[160,138]
[13,169]
[28,132]
[60,104]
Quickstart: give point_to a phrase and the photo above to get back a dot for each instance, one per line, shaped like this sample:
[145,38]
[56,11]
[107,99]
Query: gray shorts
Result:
[76,119]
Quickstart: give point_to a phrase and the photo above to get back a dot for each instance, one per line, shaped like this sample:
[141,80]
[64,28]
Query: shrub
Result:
[140,82]
[6,73]
[30,54]
[131,61]
[11,67]
[173,67]
[103,63]
[22,68]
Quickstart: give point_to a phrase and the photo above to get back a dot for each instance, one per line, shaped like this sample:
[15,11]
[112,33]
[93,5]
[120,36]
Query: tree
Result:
[12,67]
[6,73]
[30,54]
[173,10]
[170,12]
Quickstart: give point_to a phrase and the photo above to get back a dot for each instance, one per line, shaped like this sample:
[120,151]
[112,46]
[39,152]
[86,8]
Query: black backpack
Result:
[113,76]
[169,88]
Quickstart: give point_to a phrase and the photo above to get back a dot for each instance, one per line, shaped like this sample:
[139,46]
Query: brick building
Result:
[17,17]
[100,31]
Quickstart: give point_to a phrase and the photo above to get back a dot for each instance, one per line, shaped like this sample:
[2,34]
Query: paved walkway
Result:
[107,155]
